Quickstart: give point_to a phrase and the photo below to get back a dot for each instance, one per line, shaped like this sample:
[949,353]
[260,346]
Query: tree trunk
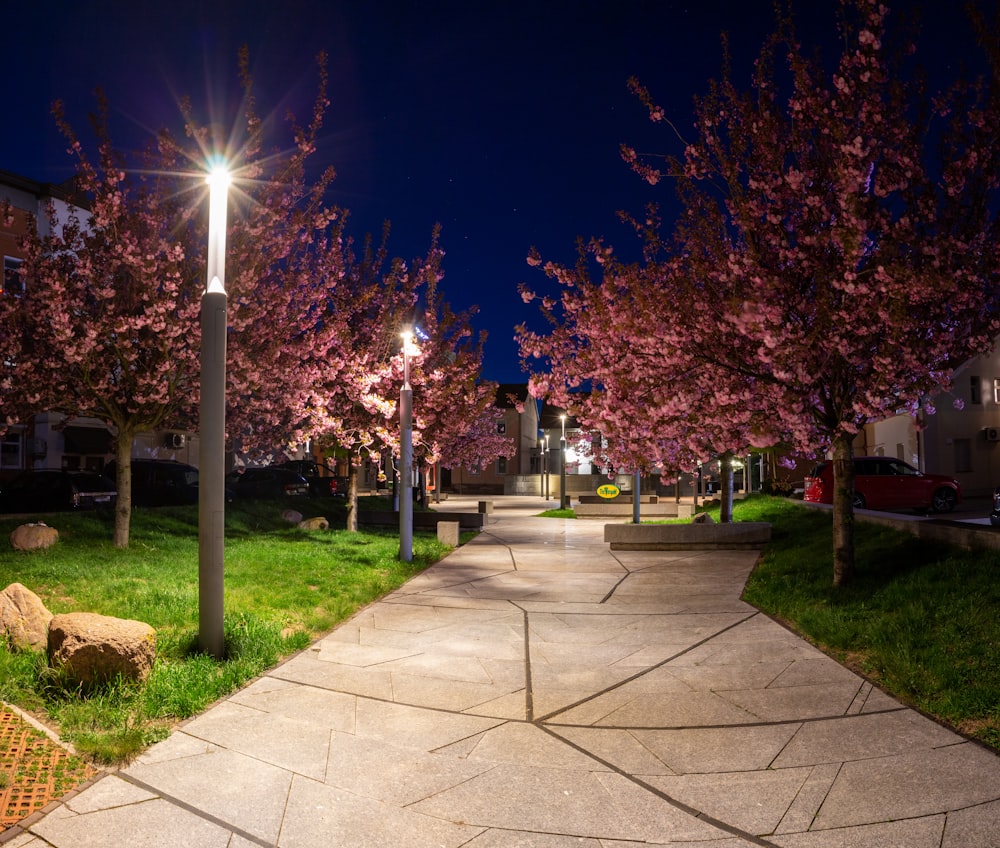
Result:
[843,510]
[726,488]
[123,483]
[352,497]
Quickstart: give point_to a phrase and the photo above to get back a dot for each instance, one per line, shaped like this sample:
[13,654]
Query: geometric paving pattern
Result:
[537,689]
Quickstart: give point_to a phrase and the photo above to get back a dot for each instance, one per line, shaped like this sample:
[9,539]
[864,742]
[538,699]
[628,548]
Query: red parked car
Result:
[881,482]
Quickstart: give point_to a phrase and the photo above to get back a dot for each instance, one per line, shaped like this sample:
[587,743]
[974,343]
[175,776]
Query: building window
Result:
[11,450]
[963,455]
[502,465]
[501,427]
[12,282]
[996,391]
[975,390]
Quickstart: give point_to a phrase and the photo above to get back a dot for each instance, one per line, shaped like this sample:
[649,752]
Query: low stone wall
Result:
[739,535]
[422,520]
[621,499]
[959,533]
[662,509]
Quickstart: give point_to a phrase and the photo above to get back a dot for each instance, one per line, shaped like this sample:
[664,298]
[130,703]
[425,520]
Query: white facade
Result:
[961,442]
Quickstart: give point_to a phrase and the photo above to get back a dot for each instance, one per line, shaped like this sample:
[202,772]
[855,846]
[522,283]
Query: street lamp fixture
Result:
[406,452]
[563,500]
[212,425]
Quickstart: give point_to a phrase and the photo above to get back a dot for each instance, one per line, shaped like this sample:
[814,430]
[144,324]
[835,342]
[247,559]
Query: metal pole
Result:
[212,428]
[406,460]
[562,466]
[545,459]
[636,511]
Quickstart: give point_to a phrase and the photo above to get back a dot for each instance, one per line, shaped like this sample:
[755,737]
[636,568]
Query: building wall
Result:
[961,442]
[503,475]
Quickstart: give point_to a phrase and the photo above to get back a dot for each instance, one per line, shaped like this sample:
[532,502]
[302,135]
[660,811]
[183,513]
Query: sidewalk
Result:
[534,689]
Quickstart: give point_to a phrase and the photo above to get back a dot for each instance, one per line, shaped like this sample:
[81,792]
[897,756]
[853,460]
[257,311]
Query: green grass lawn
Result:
[920,619]
[284,587]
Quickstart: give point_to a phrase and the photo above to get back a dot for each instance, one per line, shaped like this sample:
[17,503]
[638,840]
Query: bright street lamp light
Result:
[406,452]
[212,425]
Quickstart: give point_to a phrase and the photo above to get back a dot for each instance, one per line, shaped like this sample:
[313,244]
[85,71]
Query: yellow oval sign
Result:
[609,490]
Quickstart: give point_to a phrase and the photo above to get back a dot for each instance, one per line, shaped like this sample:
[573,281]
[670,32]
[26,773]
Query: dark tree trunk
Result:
[843,510]
[726,488]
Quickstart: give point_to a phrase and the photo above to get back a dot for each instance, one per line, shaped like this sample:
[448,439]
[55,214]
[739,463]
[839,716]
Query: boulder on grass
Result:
[292,516]
[93,649]
[33,537]
[24,619]
[702,518]
[318,523]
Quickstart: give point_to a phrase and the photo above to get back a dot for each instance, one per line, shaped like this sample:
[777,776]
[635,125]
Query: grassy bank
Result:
[920,619]
[284,587]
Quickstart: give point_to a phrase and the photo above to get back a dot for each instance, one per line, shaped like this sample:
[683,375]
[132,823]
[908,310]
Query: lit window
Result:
[996,391]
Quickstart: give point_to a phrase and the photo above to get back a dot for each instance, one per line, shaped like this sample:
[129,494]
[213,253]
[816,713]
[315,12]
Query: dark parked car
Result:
[53,490]
[322,480]
[267,481]
[881,482]
[160,482]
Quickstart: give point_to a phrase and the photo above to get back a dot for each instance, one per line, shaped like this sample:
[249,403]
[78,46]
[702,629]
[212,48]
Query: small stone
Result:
[33,537]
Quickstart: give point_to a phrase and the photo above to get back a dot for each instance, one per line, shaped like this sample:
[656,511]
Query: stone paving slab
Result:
[536,690]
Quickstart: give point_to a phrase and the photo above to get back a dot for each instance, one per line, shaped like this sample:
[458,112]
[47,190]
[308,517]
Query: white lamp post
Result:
[406,453]
[546,459]
[212,425]
[563,502]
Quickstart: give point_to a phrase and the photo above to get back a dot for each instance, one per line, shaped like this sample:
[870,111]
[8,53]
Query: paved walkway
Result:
[534,689]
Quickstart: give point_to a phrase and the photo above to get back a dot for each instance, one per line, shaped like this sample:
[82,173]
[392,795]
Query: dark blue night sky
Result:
[500,120]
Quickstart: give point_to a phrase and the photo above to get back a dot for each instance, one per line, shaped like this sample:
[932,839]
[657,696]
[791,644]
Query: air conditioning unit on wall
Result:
[175,440]
[992,434]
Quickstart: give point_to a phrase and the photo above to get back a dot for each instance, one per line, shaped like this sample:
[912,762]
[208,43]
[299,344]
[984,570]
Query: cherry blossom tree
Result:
[655,413]
[104,325]
[358,401]
[109,322]
[385,297]
[454,408]
[835,254]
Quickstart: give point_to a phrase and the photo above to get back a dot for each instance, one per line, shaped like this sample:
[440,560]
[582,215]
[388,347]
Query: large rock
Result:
[32,537]
[93,648]
[319,523]
[24,619]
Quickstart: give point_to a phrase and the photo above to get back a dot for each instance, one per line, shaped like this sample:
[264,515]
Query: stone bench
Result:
[620,499]
[486,507]
[683,537]
[421,520]
[612,509]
